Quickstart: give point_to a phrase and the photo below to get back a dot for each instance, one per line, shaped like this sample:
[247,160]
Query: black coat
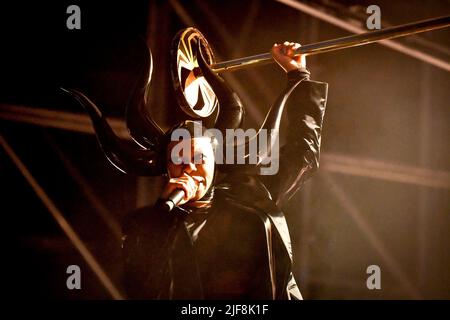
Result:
[243,248]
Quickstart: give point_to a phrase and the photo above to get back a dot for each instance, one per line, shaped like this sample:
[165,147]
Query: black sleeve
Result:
[303,103]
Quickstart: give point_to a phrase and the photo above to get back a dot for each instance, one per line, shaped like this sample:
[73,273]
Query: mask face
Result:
[194,157]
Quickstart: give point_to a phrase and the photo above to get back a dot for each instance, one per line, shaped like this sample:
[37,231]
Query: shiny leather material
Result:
[302,105]
[298,116]
[246,213]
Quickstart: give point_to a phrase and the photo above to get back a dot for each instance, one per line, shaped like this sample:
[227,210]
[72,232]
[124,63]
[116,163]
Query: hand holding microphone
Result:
[173,200]
[180,190]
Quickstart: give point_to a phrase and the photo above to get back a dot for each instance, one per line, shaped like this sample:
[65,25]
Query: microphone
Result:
[175,197]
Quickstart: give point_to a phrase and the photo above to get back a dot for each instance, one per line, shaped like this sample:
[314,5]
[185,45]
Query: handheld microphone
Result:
[175,197]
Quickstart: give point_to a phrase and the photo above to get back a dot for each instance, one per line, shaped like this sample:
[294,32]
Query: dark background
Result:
[385,140]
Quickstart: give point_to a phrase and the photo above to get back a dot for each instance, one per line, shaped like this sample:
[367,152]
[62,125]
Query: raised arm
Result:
[303,105]
[297,115]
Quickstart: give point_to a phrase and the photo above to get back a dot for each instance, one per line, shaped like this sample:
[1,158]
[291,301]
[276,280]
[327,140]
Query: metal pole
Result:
[350,27]
[340,43]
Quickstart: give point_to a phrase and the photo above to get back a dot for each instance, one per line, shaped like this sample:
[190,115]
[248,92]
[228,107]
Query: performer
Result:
[228,238]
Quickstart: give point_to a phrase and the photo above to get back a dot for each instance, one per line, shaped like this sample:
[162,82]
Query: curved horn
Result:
[122,156]
[231,111]
[142,128]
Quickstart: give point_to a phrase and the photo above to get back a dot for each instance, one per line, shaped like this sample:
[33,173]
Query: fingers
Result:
[185,183]
[285,55]
[287,48]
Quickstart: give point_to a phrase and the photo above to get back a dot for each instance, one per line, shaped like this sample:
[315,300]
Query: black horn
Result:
[231,110]
[142,128]
[124,157]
